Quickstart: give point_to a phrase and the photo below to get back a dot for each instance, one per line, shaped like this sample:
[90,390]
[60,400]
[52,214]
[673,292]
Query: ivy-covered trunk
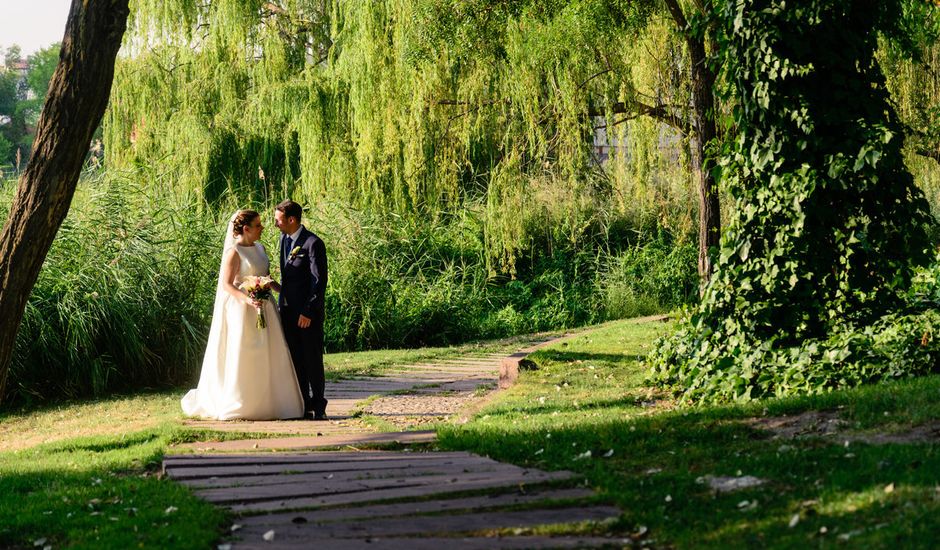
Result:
[827,224]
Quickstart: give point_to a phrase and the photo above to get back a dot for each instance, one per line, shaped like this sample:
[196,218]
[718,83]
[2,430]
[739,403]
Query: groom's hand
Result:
[303,322]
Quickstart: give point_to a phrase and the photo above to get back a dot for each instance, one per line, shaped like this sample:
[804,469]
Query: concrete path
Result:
[354,498]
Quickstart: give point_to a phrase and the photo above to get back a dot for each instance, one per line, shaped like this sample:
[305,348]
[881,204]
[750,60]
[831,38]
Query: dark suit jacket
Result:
[303,276]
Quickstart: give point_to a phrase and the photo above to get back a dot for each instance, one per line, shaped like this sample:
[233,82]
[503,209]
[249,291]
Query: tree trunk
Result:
[77,98]
[703,131]
[703,117]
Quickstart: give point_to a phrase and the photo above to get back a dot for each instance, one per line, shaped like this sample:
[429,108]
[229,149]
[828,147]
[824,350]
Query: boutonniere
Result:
[295,252]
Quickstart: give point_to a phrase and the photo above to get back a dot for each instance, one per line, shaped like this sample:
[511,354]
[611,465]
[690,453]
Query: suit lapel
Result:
[302,237]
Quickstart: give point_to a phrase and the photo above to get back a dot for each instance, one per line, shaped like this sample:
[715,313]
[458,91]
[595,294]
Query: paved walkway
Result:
[352,498]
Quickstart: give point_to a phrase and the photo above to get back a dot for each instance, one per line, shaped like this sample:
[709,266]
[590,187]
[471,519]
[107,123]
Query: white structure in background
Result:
[22,87]
[605,145]
[23,93]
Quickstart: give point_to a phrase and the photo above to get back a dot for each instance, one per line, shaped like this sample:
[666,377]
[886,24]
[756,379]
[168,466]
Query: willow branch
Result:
[464,103]
[635,109]
[593,76]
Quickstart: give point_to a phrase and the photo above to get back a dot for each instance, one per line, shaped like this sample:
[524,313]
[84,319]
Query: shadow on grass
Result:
[100,492]
[103,444]
[815,491]
[94,509]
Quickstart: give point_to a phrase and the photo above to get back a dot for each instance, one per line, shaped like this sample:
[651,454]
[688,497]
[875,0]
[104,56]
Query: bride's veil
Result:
[229,243]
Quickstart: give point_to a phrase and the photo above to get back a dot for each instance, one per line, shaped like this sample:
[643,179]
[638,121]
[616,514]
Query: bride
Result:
[247,371]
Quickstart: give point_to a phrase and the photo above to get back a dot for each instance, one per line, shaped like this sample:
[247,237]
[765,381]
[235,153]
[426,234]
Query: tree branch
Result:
[478,104]
[677,15]
[636,109]
[593,76]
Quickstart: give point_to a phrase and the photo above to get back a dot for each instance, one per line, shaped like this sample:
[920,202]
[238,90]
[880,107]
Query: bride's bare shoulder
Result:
[230,255]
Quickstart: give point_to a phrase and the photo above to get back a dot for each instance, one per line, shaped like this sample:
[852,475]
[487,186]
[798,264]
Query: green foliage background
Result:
[449,171]
[442,148]
[21,99]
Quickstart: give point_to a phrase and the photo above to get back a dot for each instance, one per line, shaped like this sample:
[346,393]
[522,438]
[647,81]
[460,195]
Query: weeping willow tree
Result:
[271,99]
[412,107]
[912,67]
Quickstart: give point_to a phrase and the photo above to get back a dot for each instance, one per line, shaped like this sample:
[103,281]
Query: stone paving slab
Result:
[418,492]
[357,390]
[451,524]
[372,488]
[423,371]
[233,474]
[343,425]
[458,368]
[325,457]
[367,472]
[437,543]
[400,509]
[325,441]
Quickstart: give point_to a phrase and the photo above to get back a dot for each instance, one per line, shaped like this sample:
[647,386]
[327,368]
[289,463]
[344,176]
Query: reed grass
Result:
[123,302]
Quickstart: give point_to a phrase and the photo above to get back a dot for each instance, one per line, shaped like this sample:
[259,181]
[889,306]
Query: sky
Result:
[33,24]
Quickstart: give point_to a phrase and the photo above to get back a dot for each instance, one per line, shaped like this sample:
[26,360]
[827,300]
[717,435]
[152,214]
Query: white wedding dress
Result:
[247,371]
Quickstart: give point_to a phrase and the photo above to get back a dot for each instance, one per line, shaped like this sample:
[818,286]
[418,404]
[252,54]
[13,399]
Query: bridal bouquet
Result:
[258,288]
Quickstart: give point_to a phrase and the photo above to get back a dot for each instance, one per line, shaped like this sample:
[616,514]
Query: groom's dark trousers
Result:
[303,282]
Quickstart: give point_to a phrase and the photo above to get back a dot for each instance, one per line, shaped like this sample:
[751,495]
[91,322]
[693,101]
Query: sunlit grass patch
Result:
[375,362]
[584,408]
[112,416]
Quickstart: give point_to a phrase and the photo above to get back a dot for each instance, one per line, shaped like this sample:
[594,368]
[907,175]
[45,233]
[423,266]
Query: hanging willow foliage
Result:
[911,62]
[412,107]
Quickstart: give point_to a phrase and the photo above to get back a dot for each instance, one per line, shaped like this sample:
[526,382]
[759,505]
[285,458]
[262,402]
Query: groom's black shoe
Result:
[311,415]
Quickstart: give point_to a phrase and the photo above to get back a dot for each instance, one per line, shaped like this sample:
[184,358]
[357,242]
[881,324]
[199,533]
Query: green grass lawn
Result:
[373,363]
[100,492]
[85,474]
[586,409]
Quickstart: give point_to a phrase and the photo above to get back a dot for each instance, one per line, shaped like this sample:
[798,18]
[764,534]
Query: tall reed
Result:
[124,298]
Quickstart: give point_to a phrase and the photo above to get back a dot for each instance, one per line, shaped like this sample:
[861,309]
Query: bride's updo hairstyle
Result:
[241,220]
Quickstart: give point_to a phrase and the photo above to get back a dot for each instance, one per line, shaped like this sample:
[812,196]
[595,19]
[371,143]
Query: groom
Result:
[303,281]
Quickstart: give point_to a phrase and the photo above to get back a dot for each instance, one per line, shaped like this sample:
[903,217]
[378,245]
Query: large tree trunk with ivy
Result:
[77,98]
[827,224]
